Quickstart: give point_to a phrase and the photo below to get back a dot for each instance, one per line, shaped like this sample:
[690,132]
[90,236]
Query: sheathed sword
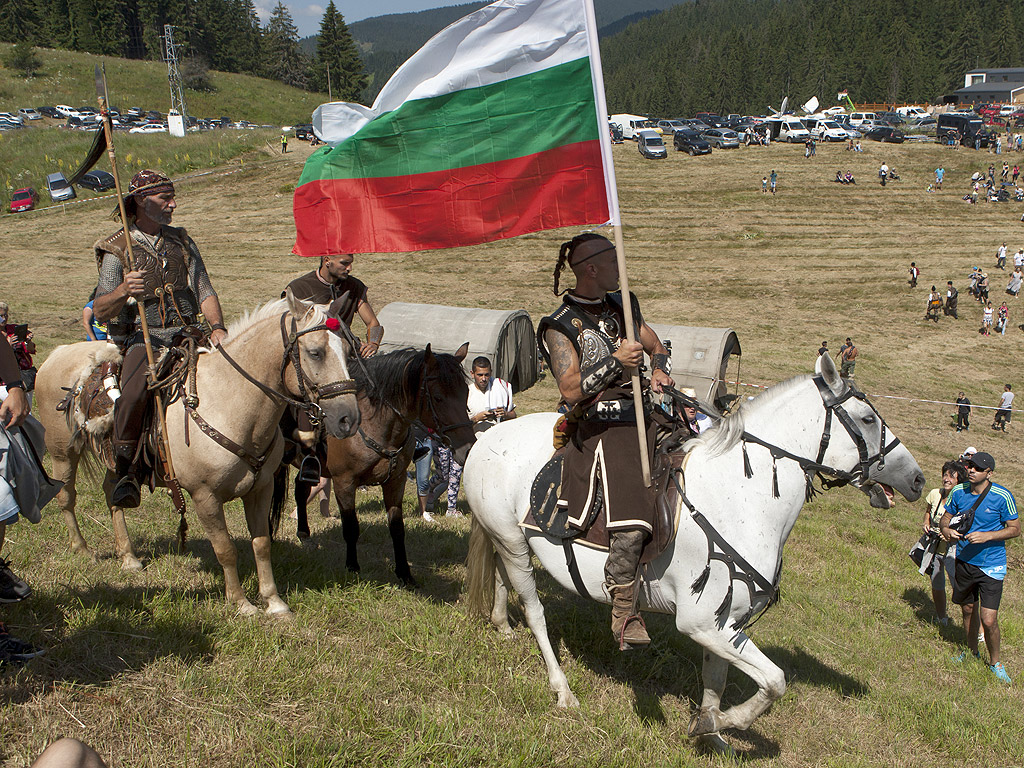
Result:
[128,265]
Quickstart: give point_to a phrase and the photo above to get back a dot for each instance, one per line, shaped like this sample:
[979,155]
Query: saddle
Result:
[547,516]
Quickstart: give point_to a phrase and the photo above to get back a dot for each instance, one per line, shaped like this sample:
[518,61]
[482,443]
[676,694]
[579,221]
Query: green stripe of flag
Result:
[515,118]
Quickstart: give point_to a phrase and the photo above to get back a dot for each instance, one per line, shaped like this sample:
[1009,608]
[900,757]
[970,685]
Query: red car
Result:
[24,200]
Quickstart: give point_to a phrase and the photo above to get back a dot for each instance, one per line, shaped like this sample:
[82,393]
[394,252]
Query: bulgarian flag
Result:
[495,128]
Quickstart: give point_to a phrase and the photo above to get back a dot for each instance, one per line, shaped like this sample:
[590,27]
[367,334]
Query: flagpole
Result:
[128,260]
[612,194]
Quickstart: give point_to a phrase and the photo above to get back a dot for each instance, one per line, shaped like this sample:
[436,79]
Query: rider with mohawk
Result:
[585,346]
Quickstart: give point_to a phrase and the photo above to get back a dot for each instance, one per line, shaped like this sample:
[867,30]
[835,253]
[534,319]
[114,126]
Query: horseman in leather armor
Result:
[584,343]
[170,284]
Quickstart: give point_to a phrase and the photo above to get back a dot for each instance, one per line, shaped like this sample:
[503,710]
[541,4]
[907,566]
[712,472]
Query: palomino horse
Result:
[723,566]
[280,352]
[395,390]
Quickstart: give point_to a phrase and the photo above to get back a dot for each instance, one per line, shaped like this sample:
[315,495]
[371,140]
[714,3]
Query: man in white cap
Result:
[697,421]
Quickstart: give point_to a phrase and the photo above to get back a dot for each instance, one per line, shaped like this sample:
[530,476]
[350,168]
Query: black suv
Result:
[303,132]
[691,142]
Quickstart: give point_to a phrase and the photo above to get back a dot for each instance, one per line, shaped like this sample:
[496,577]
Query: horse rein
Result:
[311,393]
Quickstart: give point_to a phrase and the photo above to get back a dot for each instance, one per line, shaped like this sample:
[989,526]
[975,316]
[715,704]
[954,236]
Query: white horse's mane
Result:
[315,315]
[724,436]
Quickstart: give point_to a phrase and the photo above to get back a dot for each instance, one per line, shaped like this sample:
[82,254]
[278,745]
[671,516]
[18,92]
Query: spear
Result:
[128,265]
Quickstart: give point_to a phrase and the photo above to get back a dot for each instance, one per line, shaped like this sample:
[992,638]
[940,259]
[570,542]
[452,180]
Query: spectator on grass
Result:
[914,274]
[1013,287]
[1016,170]
[981,553]
[1001,257]
[983,287]
[20,339]
[963,413]
[848,357]
[490,398]
[94,330]
[764,185]
[1002,318]
[953,474]
[1018,258]
[940,172]
[931,311]
[1003,412]
[823,350]
[952,299]
[986,319]
[773,181]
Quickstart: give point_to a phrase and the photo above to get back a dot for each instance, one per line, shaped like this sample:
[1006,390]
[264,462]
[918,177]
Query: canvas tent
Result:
[506,337]
[700,357]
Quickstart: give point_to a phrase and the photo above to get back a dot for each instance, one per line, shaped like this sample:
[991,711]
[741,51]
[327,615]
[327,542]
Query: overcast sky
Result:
[307,15]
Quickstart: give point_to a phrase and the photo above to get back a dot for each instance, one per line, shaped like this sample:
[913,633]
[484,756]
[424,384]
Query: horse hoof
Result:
[713,742]
[308,543]
[566,700]
[408,582]
[245,608]
[131,563]
[703,723]
[278,609]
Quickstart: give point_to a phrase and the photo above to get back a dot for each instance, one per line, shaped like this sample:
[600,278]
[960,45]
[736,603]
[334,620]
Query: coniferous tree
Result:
[283,60]
[336,51]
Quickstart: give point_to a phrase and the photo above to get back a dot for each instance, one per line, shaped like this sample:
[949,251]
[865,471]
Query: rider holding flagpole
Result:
[586,347]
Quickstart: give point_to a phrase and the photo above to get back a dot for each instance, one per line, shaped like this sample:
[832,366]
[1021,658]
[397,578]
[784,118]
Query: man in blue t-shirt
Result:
[981,552]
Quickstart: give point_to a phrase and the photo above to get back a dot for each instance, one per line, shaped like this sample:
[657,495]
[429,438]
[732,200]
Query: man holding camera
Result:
[490,398]
[980,516]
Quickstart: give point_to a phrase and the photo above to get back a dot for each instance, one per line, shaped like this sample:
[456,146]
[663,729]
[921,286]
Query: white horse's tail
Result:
[480,565]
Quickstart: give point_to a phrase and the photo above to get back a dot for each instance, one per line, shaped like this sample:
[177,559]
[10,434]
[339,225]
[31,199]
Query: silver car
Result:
[59,188]
[721,138]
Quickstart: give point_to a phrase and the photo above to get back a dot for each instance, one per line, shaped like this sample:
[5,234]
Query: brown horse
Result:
[269,345]
[396,389]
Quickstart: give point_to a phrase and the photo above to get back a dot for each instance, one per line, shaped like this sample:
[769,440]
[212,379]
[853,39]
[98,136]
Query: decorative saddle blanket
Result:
[547,516]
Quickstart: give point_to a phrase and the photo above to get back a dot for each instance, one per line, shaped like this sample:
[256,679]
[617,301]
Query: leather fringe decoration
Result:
[746,462]
[701,581]
[775,478]
[811,491]
[723,609]
[741,622]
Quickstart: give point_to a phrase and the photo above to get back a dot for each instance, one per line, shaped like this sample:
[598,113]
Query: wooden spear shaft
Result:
[634,373]
[128,260]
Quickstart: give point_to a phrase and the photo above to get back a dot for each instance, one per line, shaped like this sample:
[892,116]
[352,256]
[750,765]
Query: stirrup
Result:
[126,494]
[309,470]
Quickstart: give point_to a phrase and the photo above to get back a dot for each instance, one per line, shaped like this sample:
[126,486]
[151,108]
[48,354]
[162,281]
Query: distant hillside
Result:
[66,77]
[742,55]
[387,41]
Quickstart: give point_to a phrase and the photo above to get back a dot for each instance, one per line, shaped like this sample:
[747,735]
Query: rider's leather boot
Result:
[627,628]
[126,493]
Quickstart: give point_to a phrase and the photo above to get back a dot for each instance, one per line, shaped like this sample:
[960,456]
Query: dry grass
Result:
[153,670]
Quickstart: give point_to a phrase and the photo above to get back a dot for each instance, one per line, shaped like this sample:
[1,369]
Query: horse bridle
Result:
[311,392]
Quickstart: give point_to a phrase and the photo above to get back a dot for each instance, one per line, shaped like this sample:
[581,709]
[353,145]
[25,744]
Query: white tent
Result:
[507,338]
[700,357]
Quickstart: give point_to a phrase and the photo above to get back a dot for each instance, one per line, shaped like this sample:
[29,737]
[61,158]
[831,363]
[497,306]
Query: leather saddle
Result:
[549,517]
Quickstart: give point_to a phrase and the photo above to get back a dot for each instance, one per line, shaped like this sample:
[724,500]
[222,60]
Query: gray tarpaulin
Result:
[700,357]
[507,337]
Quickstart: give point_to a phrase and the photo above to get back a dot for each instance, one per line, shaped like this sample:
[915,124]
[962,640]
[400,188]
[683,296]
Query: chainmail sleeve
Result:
[111,275]
[198,277]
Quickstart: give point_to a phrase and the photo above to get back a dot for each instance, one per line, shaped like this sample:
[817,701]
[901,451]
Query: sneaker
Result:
[1000,671]
[13,650]
[427,517]
[12,589]
[943,622]
[453,513]
[962,657]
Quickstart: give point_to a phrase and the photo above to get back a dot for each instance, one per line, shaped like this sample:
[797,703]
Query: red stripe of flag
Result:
[560,187]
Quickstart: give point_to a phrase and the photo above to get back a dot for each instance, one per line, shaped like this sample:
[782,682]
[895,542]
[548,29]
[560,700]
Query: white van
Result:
[824,129]
[651,144]
[859,117]
[787,128]
[630,124]
[912,113]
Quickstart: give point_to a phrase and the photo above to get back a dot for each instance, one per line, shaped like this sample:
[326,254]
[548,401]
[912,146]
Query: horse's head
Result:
[866,447]
[444,392]
[318,367]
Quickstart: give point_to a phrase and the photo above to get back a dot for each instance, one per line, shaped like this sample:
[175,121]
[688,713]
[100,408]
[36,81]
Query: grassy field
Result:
[154,670]
[66,77]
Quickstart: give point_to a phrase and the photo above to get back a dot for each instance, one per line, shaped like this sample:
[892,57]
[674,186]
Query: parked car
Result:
[670,126]
[24,200]
[710,119]
[149,128]
[651,145]
[59,188]
[28,113]
[98,181]
[856,118]
[924,124]
[63,110]
[692,142]
[722,138]
[12,118]
[48,111]
[887,134]
[825,130]
[893,118]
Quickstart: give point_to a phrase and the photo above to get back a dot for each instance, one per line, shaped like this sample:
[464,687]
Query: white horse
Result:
[723,566]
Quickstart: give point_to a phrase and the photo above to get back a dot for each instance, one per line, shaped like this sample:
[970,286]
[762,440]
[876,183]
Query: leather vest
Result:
[169,301]
[594,336]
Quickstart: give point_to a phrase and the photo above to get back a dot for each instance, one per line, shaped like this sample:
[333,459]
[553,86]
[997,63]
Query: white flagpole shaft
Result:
[612,193]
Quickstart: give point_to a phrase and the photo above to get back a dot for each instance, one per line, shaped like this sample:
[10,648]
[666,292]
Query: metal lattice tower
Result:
[173,75]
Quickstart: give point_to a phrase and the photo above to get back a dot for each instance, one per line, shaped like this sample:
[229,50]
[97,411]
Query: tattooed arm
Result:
[565,365]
